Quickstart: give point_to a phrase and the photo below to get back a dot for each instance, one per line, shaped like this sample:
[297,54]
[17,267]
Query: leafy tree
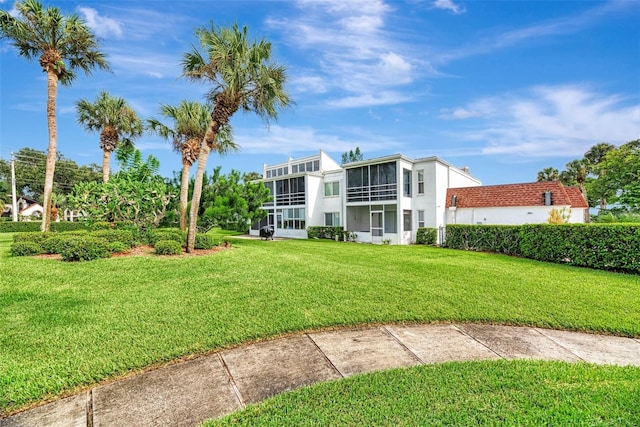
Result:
[598,192]
[137,194]
[620,170]
[116,121]
[232,202]
[352,156]
[251,176]
[548,174]
[30,169]
[62,44]
[190,121]
[241,75]
[4,194]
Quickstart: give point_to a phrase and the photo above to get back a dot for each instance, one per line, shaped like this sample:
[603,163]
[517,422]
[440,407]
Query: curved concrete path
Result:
[187,393]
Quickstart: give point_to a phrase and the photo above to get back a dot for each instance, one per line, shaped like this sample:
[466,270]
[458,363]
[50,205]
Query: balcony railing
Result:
[372,193]
[290,199]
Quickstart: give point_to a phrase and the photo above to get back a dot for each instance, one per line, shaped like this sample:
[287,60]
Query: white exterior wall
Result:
[334,203]
[508,215]
[314,193]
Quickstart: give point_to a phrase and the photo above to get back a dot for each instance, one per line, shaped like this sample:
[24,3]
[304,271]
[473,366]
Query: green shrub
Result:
[168,247]
[19,227]
[324,232]
[204,241]
[113,235]
[25,249]
[85,249]
[174,234]
[600,246]
[427,236]
[503,239]
[118,247]
[64,226]
[36,237]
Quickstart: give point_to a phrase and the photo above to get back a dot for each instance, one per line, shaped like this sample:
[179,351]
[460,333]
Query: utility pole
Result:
[14,199]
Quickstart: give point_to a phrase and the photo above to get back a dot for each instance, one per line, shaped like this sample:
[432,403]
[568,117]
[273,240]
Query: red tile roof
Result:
[509,195]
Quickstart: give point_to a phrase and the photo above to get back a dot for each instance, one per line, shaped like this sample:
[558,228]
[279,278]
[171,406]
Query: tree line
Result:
[607,175]
[239,71]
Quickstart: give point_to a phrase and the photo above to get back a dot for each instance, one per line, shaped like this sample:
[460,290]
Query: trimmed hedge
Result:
[113,235]
[168,247]
[25,249]
[504,239]
[85,249]
[600,246]
[62,226]
[427,236]
[325,232]
[174,234]
[36,237]
[613,247]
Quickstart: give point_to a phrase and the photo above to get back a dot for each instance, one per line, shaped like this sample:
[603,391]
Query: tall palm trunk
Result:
[106,170]
[184,195]
[52,91]
[197,193]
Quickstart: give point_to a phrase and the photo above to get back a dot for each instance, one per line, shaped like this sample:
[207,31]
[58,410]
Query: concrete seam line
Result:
[407,349]
[462,331]
[232,381]
[90,408]
[558,344]
[325,356]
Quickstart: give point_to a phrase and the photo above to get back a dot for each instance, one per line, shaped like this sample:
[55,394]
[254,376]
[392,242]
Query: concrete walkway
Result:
[187,393]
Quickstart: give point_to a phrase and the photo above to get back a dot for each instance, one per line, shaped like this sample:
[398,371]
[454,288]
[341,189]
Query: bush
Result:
[324,232]
[168,247]
[118,247]
[112,235]
[85,249]
[36,237]
[204,241]
[19,227]
[503,239]
[427,236]
[25,249]
[174,234]
[600,246]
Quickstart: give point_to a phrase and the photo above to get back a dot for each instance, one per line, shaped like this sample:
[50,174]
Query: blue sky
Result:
[503,87]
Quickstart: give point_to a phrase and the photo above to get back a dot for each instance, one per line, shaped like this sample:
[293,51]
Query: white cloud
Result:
[289,141]
[449,5]
[355,56]
[101,25]
[369,99]
[549,121]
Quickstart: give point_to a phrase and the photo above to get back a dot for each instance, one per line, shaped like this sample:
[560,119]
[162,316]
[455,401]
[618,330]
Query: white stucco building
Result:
[381,199]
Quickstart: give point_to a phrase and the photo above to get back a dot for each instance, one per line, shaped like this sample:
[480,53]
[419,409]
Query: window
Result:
[332,219]
[268,174]
[292,219]
[372,183]
[406,215]
[390,219]
[332,189]
[420,219]
[294,168]
[316,165]
[406,182]
[421,182]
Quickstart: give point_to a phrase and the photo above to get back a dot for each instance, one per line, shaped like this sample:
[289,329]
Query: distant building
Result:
[381,199]
[514,203]
[27,208]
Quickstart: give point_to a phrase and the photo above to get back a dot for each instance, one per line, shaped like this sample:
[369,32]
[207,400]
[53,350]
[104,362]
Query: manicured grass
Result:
[69,325]
[522,393]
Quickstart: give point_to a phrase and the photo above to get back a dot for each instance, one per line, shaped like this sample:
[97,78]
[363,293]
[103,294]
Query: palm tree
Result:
[575,173]
[62,44]
[114,119]
[190,124]
[241,76]
[548,174]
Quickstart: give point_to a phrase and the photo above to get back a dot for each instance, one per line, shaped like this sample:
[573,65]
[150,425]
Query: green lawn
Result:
[68,325]
[494,393]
